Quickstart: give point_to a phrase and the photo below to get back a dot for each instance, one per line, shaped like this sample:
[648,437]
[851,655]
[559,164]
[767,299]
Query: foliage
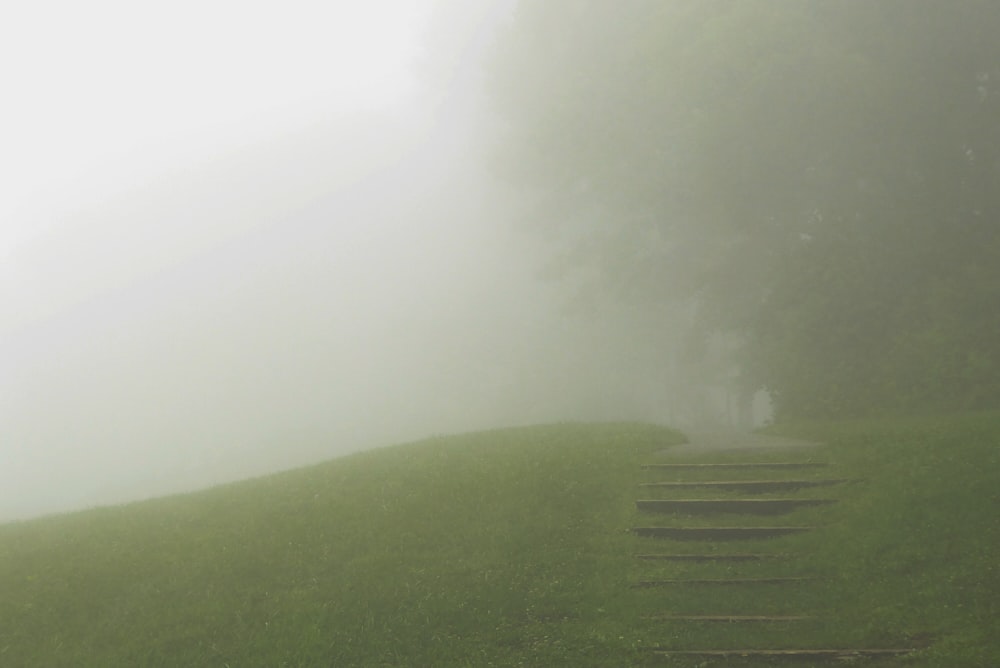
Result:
[821,178]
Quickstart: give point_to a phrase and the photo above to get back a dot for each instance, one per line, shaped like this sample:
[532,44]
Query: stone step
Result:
[710,557]
[717,533]
[749,486]
[735,465]
[735,506]
[789,654]
[644,584]
[730,618]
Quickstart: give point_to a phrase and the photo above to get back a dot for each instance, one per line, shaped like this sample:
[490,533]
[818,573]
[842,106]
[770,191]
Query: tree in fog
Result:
[816,181]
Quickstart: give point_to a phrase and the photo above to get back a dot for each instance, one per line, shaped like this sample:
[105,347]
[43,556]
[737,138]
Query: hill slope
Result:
[916,545]
[482,549]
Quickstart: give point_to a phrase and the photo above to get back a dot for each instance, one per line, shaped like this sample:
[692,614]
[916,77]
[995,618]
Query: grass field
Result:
[507,548]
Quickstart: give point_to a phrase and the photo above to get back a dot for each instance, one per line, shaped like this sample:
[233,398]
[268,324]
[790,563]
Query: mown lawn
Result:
[909,556]
[916,547]
[505,547]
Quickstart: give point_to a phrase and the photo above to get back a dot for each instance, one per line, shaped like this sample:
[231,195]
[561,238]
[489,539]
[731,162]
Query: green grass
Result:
[510,548]
[499,548]
[916,547]
[909,556]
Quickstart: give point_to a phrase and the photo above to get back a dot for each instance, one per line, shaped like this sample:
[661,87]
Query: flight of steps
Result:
[685,497]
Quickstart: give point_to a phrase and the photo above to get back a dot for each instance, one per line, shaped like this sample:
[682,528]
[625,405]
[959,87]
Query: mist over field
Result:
[322,227]
[507,332]
[339,284]
[184,353]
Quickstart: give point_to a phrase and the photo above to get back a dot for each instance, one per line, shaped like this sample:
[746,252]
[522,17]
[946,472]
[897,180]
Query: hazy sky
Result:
[237,237]
[103,94]
[104,98]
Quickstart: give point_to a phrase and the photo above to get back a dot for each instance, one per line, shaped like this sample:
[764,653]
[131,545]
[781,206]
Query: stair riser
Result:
[736,465]
[717,534]
[747,487]
[839,655]
[646,584]
[736,507]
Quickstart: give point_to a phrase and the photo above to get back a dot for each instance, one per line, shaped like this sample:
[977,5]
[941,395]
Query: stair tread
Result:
[793,653]
[746,483]
[731,618]
[712,557]
[738,465]
[723,581]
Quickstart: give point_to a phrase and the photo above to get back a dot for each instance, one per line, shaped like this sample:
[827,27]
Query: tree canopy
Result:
[821,179]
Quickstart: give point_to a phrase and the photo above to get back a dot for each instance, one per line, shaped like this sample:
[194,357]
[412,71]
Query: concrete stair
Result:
[710,533]
[749,486]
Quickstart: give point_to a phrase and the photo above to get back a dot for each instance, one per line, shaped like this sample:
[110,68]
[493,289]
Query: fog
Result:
[323,286]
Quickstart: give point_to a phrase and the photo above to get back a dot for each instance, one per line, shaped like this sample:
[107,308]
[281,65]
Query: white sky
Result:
[98,96]
[225,223]
[236,236]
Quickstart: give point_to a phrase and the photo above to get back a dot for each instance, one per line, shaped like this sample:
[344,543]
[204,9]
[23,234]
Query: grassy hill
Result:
[500,548]
[483,549]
